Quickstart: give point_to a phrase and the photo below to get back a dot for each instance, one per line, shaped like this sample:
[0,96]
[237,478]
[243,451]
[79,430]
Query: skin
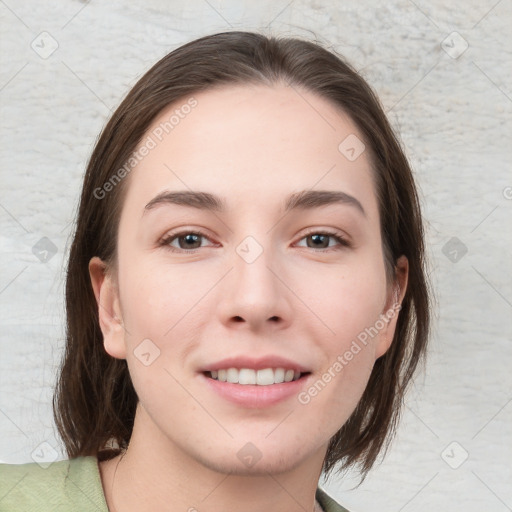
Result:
[252,146]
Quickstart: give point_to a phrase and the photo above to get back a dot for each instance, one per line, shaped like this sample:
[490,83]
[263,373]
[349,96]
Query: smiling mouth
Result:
[249,376]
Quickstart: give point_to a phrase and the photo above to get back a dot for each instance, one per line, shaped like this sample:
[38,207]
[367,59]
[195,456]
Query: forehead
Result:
[251,142]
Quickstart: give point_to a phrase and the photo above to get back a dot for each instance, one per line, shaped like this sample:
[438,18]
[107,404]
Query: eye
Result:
[324,240]
[189,241]
[184,241]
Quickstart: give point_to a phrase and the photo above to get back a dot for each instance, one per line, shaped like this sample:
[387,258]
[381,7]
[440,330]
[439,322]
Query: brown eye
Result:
[186,241]
[189,241]
[318,241]
[323,240]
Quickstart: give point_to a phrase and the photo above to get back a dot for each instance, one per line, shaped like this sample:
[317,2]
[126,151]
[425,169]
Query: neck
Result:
[155,474]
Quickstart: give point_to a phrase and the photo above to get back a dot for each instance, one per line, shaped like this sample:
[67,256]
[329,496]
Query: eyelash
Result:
[342,241]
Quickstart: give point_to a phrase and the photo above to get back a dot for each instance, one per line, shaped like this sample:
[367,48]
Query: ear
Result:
[109,311]
[389,315]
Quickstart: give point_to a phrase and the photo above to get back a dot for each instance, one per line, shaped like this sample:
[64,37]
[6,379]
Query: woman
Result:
[246,293]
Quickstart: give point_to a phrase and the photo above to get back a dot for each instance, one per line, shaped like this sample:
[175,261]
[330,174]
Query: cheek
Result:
[165,310]
[349,303]
[346,300]
[164,316]
[157,298]
[348,360]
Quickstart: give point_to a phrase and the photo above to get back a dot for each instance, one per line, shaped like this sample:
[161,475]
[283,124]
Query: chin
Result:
[256,463]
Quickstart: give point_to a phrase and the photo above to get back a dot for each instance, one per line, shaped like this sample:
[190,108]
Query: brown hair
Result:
[94,402]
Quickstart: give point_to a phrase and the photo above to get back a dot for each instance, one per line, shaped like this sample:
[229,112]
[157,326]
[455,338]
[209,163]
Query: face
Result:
[269,257]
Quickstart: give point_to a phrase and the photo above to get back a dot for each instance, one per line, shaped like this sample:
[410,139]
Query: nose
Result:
[254,295]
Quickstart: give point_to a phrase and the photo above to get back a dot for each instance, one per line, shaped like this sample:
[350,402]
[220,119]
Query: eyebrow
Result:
[305,199]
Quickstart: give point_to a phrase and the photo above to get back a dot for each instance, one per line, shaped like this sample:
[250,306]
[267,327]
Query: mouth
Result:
[253,377]
[249,388]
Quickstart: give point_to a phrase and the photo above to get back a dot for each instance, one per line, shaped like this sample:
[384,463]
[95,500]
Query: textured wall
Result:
[444,77]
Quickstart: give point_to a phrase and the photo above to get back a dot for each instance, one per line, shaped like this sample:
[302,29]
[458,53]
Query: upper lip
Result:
[259,363]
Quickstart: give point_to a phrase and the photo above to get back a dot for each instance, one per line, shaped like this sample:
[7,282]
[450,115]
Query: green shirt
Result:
[70,485]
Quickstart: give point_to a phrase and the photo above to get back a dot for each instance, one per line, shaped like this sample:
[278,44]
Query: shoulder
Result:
[63,485]
[328,504]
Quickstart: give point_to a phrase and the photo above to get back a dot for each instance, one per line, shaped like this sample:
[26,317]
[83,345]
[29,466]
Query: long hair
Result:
[94,402]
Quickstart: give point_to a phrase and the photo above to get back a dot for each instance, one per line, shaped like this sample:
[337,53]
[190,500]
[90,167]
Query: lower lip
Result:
[253,396]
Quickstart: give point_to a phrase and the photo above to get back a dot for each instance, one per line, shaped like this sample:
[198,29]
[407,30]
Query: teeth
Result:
[245,376]
[279,375]
[264,377]
[232,375]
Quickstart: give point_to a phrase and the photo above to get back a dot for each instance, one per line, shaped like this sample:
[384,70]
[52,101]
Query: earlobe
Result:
[393,306]
[109,311]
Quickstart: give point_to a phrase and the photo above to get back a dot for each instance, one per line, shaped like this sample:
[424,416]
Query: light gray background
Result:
[453,111]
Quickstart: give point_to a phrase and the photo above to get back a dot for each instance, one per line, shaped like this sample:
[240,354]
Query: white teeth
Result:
[232,375]
[279,375]
[263,377]
[245,376]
